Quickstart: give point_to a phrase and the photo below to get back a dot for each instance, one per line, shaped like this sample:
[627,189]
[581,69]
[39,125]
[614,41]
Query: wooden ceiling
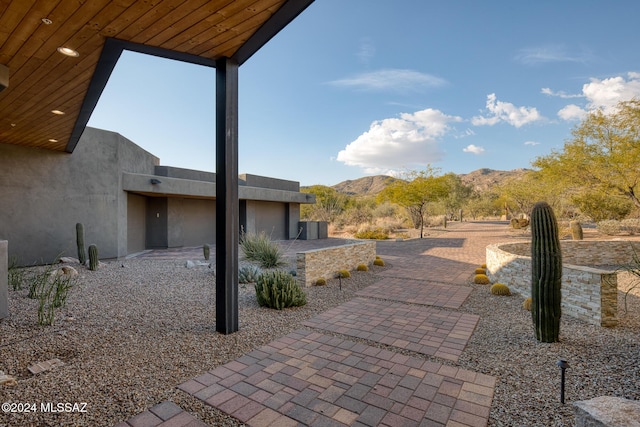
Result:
[42,80]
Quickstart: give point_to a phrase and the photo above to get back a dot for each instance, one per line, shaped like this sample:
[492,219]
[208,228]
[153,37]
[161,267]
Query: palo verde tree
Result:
[602,156]
[329,204]
[415,193]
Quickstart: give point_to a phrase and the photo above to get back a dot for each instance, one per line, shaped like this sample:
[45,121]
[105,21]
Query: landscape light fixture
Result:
[155,181]
[563,366]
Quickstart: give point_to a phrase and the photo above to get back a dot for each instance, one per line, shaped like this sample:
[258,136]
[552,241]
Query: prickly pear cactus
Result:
[82,256]
[546,273]
[93,257]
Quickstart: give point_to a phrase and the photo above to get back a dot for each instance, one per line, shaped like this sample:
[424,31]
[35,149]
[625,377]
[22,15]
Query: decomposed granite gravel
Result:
[133,330]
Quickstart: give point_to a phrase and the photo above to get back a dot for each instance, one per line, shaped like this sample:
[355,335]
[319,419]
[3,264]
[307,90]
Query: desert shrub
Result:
[362,267]
[372,233]
[500,289]
[481,279]
[321,282]
[379,262]
[261,249]
[609,227]
[480,271]
[278,289]
[526,304]
[248,274]
[631,225]
[344,274]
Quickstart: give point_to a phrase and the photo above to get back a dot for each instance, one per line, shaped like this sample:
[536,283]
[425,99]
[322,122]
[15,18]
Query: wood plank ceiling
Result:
[42,80]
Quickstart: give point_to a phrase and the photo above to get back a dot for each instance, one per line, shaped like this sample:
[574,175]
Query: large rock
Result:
[607,411]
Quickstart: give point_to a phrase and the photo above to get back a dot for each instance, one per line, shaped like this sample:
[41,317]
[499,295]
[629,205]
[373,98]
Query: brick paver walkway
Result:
[430,331]
[312,378]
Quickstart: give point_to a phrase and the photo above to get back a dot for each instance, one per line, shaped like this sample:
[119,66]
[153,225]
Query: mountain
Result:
[366,186]
[481,180]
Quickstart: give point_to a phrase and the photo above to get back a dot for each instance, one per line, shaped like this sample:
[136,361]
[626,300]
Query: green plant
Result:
[344,274]
[481,279]
[379,262]
[362,267]
[576,230]
[480,271]
[82,256]
[321,282]
[500,289]
[546,273]
[206,250]
[93,257]
[484,266]
[15,275]
[374,234]
[249,274]
[261,249]
[278,289]
[526,304]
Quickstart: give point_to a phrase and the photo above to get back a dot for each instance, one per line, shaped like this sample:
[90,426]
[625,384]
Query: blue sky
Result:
[364,87]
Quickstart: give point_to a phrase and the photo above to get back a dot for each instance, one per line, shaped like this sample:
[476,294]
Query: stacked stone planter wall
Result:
[589,282]
[314,264]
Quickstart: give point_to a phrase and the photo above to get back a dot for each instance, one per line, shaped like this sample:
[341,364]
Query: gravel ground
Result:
[132,332]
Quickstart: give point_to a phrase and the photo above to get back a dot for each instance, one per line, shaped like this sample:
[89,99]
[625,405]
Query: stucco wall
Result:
[199,222]
[589,294]
[4,286]
[45,193]
[270,218]
[314,264]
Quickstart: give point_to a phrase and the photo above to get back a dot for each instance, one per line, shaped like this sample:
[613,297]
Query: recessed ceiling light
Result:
[13,125]
[57,112]
[53,140]
[68,51]
[47,21]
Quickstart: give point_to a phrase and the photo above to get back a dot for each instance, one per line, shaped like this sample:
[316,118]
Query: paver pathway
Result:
[312,378]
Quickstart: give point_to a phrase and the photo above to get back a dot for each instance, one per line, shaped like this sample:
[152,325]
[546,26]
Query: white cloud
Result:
[473,149]
[572,112]
[506,112]
[408,141]
[604,94]
[532,143]
[548,54]
[560,94]
[391,80]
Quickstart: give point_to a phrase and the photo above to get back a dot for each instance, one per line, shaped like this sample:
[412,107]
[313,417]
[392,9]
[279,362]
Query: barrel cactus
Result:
[481,279]
[546,273]
[82,256]
[500,289]
[93,257]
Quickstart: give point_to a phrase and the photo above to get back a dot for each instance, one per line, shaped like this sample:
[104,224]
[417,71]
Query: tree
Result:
[602,155]
[329,204]
[457,194]
[415,193]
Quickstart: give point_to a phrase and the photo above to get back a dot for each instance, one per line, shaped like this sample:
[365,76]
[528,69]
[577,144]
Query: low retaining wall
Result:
[317,263]
[588,293]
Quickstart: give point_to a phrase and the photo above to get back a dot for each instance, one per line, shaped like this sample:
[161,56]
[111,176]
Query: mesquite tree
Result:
[546,273]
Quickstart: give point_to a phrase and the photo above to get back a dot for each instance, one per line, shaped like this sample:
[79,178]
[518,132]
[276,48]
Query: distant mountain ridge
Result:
[481,180]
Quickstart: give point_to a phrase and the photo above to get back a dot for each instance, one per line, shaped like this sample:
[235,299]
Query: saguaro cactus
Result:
[546,273]
[576,230]
[206,251]
[82,256]
[93,257]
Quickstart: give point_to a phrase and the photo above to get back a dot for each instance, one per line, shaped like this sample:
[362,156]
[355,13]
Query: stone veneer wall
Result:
[589,294]
[317,263]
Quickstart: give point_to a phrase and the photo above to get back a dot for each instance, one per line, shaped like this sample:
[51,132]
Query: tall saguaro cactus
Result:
[546,273]
[82,255]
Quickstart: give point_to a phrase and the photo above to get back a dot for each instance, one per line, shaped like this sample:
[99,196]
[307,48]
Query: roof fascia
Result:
[278,21]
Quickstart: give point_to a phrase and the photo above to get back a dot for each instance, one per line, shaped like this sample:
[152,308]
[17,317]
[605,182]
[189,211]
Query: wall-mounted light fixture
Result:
[155,181]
